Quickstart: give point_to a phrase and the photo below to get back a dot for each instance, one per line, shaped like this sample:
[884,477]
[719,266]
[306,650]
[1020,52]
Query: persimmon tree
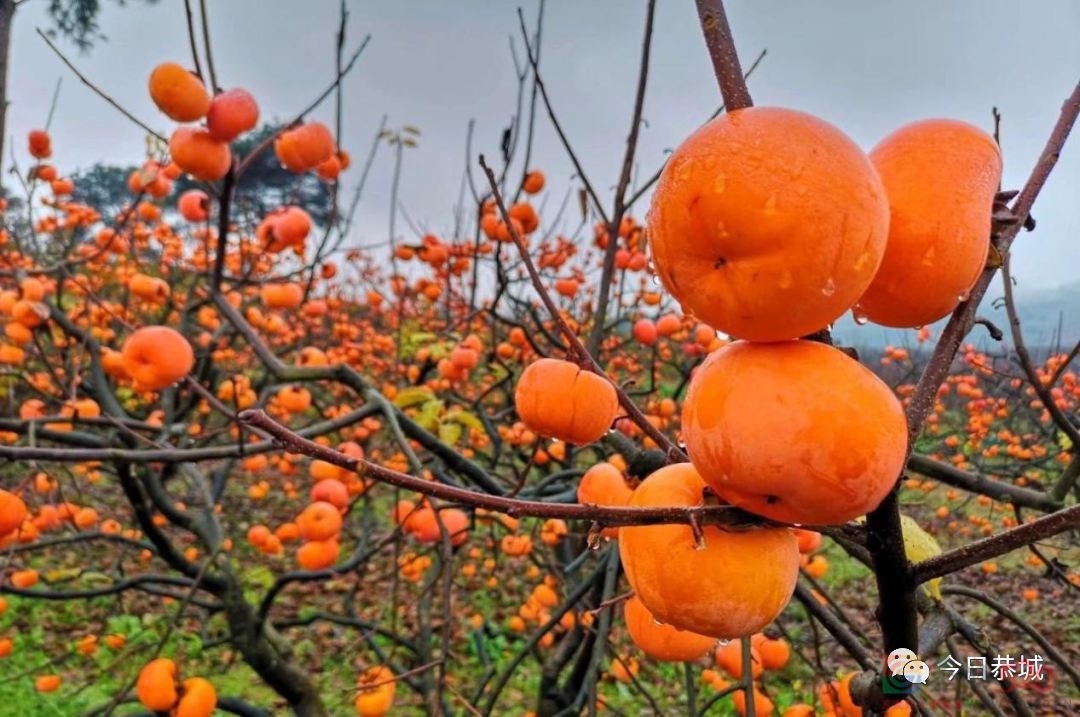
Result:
[228,414]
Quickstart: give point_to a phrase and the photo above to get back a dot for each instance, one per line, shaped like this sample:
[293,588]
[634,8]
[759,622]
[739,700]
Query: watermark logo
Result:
[904,672]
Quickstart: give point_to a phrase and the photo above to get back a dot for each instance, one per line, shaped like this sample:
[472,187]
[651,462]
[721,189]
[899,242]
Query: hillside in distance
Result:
[1049,319]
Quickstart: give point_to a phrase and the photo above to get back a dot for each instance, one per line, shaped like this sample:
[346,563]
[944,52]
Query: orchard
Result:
[543,464]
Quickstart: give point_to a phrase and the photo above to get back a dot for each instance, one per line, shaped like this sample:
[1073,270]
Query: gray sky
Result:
[867,67]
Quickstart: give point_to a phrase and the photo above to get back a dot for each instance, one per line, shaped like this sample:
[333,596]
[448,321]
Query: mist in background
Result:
[867,67]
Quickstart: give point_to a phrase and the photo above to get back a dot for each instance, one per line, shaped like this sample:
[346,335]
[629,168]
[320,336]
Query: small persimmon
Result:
[178,93]
[231,113]
[157,356]
[560,400]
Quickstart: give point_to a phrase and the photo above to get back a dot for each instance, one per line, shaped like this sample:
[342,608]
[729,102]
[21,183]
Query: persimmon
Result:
[194,205]
[604,484]
[331,491]
[178,93]
[775,653]
[318,554]
[149,288]
[553,531]
[197,152]
[809,540]
[817,566]
[560,400]
[799,710]
[6,647]
[199,699]
[285,227]
[257,534]
[47,683]
[732,587]
[24,579]
[157,357]
[534,182]
[758,236]
[662,642]
[795,431]
[156,686]
[329,169]
[376,695]
[86,518]
[12,512]
[516,545]
[763,706]
[282,296]
[456,522]
[40,144]
[645,332]
[319,521]
[624,669]
[294,399]
[728,658]
[940,177]
[230,114]
[303,148]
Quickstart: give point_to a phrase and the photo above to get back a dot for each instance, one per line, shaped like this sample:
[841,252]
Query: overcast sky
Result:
[867,67]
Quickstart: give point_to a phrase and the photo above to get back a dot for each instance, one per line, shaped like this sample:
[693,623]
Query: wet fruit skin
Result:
[734,586]
[940,177]
[559,400]
[768,224]
[662,642]
[794,431]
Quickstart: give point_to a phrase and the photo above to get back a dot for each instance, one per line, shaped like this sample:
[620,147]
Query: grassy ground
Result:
[45,633]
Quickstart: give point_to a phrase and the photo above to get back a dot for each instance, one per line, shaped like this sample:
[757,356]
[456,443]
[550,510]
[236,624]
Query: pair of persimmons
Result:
[769,224]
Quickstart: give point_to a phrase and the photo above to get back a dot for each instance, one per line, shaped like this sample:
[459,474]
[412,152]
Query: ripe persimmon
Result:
[659,641]
[40,144]
[376,696]
[319,521]
[156,686]
[231,114]
[318,554]
[294,399]
[534,182]
[282,296]
[178,93]
[732,587]
[768,223]
[12,512]
[194,205]
[560,400]
[795,431]
[197,152]
[728,658]
[331,491]
[47,683]
[940,177]
[775,653]
[199,699]
[645,332]
[303,148]
[157,356]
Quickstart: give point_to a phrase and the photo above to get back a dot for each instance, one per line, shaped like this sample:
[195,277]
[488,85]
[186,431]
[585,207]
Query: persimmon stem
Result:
[725,59]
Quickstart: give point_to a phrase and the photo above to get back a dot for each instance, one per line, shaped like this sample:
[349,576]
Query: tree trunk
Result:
[7,15]
[275,667]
